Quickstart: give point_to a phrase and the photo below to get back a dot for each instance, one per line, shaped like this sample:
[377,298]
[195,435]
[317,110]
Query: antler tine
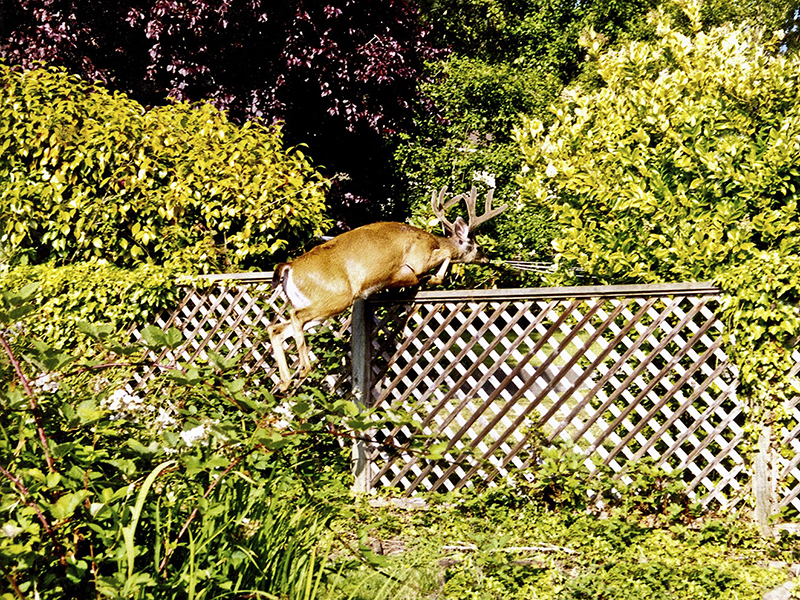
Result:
[440,207]
[488,213]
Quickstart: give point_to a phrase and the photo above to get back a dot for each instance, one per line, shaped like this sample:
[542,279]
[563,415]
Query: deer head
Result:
[327,279]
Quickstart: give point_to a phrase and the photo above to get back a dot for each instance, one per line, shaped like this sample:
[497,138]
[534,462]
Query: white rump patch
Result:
[296,297]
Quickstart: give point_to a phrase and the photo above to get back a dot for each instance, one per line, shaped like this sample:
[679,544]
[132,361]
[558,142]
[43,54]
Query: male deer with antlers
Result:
[326,280]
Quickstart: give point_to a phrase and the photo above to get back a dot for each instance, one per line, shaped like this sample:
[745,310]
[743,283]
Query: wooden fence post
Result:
[762,488]
[361,351]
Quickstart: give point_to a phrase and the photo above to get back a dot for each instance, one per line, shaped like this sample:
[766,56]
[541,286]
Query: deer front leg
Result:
[405,276]
[439,276]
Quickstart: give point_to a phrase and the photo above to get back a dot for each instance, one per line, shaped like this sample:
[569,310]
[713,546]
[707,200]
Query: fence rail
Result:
[618,373]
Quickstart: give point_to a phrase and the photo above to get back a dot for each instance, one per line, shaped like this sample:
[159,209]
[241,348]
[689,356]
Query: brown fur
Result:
[326,280]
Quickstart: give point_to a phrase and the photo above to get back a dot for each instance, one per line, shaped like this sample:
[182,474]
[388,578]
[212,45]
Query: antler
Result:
[440,207]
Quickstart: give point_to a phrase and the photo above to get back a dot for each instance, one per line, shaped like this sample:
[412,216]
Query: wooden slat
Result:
[630,378]
[575,292]
[460,356]
[595,364]
[526,385]
[448,395]
[643,393]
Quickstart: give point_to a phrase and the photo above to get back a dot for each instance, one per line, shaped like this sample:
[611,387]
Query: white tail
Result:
[326,280]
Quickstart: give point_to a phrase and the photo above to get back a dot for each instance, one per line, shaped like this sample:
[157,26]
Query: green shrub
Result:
[682,166]
[85,174]
[92,292]
[191,487]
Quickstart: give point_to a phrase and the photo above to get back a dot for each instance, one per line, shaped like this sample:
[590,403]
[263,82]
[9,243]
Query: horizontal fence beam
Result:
[251,277]
[547,293]
[700,288]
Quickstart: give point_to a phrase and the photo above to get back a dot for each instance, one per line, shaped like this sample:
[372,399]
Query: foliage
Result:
[530,31]
[504,542]
[92,292]
[339,74]
[562,482]
[85,173]
[764,311]
[467,143]
[683,167]
[203,484]
[509,58]
[195,486]
[198,483]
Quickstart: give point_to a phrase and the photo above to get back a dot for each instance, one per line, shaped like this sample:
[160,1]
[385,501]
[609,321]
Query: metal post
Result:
[361,344]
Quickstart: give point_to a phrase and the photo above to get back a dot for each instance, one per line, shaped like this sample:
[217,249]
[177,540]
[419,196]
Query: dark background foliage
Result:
[392,97]
[341,76]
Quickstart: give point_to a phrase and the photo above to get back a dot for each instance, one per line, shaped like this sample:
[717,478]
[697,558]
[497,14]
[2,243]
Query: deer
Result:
[327,279]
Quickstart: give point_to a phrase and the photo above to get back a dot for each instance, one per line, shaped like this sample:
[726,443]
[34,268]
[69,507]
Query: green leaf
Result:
[436,451]
[236,385]
[219,361]
[270,439]
[88,411]
[68,503]
[129,531]
[173,338]
[154,337]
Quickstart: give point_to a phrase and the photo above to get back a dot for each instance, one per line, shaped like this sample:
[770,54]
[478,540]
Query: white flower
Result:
[196,434]
[11,530]
[46,382]
[484,177]
[123,404]
[165,419]
[551,170]
[14,330]
[283,416]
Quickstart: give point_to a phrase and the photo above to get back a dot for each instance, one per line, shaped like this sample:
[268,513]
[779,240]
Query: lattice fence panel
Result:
[618,377]
[786,457]
[619,374]
[232,320]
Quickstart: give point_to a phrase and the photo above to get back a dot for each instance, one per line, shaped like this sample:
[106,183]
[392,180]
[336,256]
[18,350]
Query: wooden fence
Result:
[619,373]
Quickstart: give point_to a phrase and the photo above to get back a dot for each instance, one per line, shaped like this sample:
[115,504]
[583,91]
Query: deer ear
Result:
[461,229]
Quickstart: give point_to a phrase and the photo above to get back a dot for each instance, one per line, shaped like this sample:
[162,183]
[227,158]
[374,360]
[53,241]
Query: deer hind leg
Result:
[300,340]
[278,333]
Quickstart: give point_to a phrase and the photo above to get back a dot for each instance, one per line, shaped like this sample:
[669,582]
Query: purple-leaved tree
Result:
[342,75]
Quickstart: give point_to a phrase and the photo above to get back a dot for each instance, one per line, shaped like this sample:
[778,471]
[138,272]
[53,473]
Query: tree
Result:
[682,166]
[341,75]
[512,57]
[508,58]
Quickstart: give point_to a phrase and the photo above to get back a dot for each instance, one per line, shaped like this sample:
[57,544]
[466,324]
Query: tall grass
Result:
[248,540]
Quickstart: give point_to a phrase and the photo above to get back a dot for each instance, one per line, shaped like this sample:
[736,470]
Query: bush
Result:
[85,174]
[92,292]
[682,166]
[196,486]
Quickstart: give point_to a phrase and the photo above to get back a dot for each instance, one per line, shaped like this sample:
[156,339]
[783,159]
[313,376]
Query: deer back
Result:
[359,262]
